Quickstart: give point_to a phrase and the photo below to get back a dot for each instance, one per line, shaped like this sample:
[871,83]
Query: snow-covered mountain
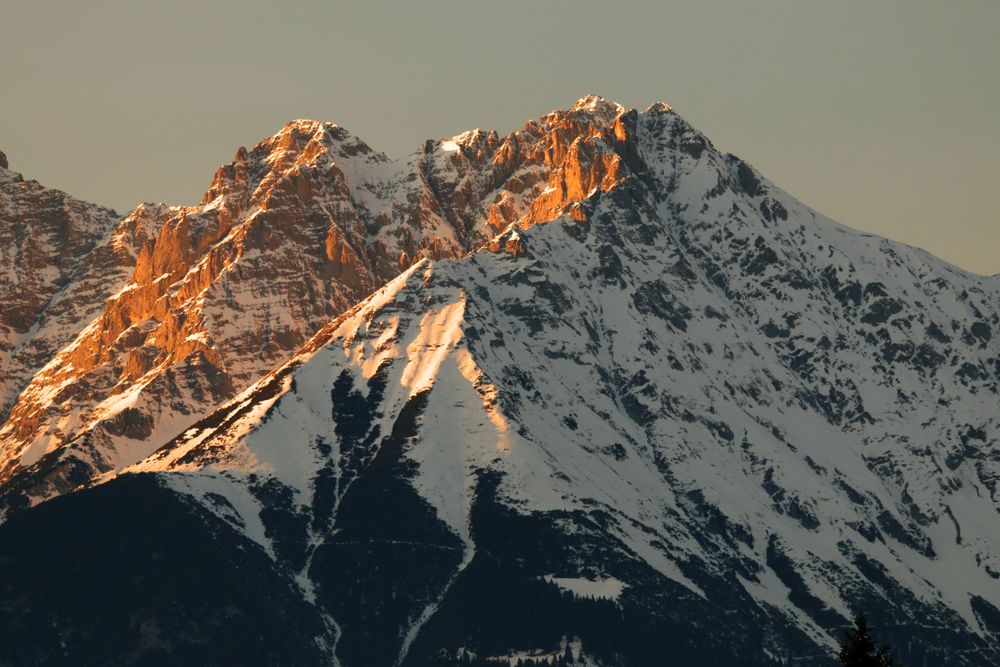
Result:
[612,393]
[289,235]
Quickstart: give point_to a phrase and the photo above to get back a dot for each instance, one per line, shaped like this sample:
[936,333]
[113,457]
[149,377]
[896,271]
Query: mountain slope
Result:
[152,608]
[690,384]
[62,257]
[289,235]
[667,410]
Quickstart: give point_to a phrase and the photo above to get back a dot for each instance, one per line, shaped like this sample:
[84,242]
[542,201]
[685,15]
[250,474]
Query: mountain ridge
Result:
[657,370]
[435,189]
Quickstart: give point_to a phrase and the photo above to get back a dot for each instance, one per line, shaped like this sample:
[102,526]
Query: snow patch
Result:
[440,330]
[604,589]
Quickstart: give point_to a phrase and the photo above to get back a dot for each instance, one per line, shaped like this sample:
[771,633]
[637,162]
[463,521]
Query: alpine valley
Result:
[593,393]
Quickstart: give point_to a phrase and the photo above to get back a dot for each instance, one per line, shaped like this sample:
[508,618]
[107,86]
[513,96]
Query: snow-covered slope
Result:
[690,384]
[666,410]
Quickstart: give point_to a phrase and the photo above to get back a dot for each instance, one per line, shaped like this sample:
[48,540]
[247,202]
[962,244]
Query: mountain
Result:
[595,387]
[61,257]
[289,235]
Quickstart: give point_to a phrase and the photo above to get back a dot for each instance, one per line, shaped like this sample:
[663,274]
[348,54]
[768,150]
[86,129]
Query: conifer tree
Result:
[859,649]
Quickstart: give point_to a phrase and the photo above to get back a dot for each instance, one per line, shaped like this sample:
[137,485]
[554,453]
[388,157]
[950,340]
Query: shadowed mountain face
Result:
[613,393]
[130,574]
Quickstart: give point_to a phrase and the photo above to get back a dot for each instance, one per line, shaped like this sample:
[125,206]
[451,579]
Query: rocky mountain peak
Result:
[3,161]
[303,138]
[659,107]
[334,219]
[599,106]
[692,388]
[647,387]
[299,145]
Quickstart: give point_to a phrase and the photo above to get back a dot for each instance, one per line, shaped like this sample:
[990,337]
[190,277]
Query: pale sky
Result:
[882,114]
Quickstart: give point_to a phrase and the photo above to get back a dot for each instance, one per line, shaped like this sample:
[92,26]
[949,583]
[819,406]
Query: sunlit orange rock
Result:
[205,299]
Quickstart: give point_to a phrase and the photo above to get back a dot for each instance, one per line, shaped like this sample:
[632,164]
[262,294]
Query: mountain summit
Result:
[288,235]
[593,389]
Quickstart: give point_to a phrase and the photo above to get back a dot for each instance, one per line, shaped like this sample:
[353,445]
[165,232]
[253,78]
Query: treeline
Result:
[858,648]
[567,659]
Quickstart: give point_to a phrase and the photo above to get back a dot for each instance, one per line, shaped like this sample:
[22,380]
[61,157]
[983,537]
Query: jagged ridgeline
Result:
[594,393]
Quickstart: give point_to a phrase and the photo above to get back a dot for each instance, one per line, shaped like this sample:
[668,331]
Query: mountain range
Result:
[594,392]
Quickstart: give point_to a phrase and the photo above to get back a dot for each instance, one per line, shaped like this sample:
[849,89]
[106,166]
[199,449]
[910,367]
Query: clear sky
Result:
[883,114]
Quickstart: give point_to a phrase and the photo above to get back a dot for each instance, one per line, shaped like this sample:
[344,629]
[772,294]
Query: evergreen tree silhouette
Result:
[859,650]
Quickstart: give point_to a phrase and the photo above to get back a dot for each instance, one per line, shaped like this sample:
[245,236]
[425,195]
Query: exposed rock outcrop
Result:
[61,259]
[288,235]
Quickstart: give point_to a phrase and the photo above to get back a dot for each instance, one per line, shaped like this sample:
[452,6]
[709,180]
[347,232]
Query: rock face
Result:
[61,259]
[289,235]
[612,393]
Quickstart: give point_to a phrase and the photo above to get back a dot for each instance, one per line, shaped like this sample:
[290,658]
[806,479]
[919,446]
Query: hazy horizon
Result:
[883,117]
